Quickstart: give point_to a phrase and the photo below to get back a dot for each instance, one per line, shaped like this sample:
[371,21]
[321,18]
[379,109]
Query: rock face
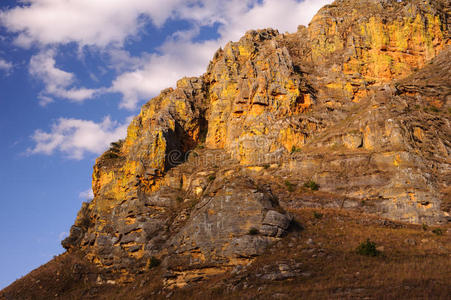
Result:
[254,91]
[353,102]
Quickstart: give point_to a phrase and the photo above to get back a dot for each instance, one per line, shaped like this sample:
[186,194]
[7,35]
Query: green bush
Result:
[317,215]
[431,109]
[437,231]
[434,109]
[367,248]
[290,186]
[295,149]
[311,185]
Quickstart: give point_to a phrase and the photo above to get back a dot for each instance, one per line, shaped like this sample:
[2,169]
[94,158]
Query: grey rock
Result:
[74,238]
[219,226]
[248,245]
[268,230]
[274,218]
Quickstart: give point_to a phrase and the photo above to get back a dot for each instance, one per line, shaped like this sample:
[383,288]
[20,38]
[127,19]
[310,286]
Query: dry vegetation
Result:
[414,264]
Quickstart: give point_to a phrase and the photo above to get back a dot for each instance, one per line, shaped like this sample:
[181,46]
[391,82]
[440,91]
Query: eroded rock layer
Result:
[356,104]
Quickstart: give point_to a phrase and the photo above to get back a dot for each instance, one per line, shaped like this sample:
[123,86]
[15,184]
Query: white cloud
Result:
[75,138]
[121,60]
[5,65]
[85,22]
[107,24]
[182,57]
[57,82]
[86,195]
[237,16]
[283,15]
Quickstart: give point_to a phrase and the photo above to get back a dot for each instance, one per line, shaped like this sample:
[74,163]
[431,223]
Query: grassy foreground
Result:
[318,259]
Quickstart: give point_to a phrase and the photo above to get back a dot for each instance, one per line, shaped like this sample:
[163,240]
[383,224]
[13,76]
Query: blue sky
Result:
[72,74]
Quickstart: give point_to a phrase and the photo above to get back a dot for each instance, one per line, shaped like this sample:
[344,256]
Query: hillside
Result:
[264,175]
[316,261]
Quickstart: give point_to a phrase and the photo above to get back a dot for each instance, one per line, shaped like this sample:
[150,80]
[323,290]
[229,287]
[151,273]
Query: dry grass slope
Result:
[320,252]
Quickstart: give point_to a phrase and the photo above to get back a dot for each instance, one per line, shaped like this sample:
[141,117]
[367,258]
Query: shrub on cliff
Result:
[311,185]
[367,248]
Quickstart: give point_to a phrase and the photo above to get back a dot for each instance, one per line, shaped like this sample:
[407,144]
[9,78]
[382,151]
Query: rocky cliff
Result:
[351,112]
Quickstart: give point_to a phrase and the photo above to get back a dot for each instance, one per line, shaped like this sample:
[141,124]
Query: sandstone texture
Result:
[358,103]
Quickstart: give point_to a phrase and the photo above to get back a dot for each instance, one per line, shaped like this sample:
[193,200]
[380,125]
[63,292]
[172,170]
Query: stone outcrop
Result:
[359,44]
[353,102]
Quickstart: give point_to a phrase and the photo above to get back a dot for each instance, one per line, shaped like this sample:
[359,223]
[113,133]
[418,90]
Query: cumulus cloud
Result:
[76,138]
[235,17]
[181,56]
[57,82]
[86,195]
[5,65]
[106,25]
[283,15]
[122,60]
[85,22]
